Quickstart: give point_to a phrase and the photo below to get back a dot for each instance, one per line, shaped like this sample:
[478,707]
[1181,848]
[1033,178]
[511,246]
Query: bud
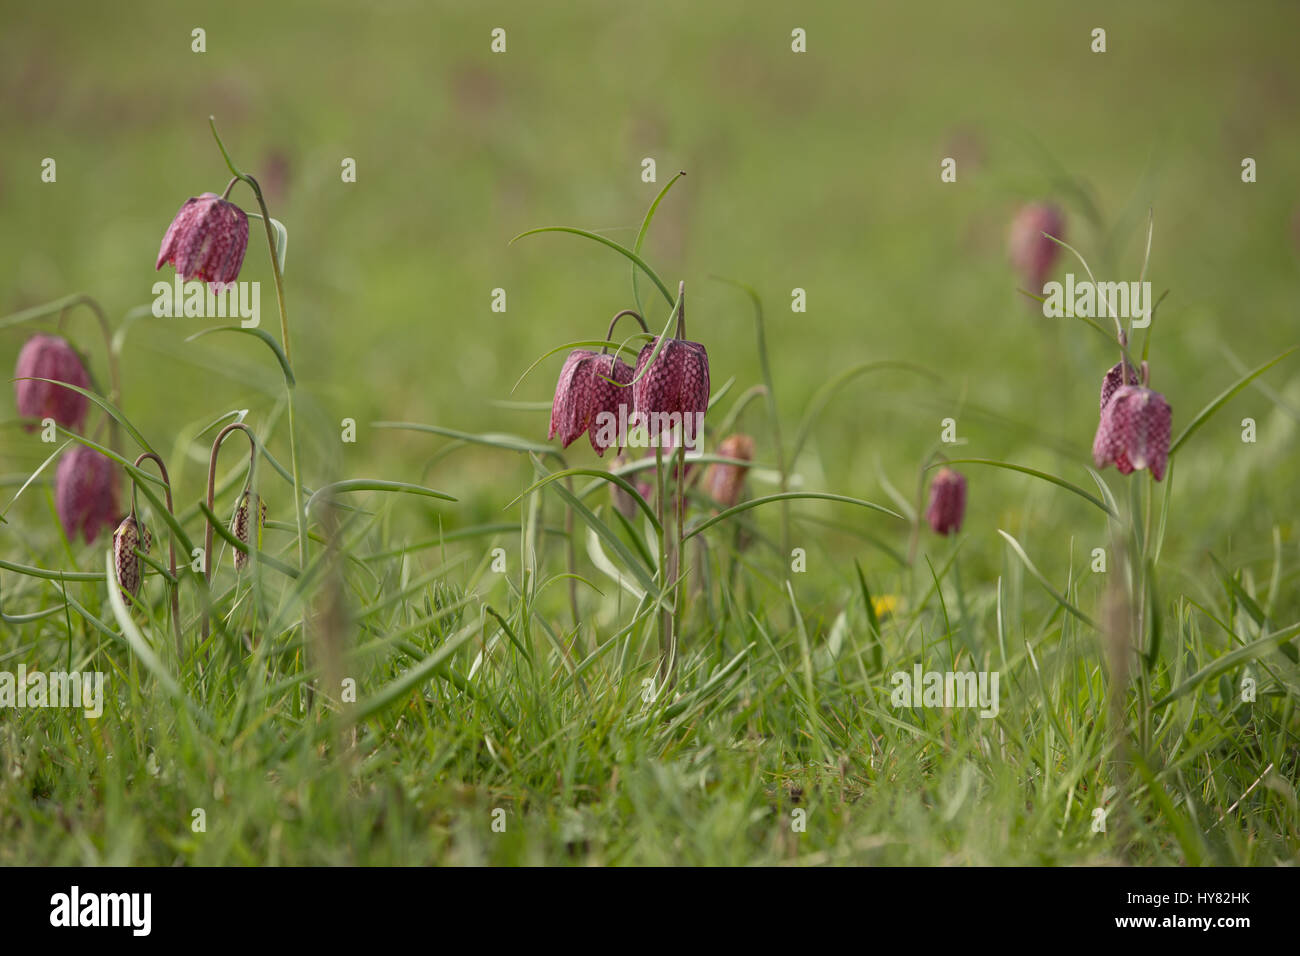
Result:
[586,390]
[677,382]
[1032,253]
[722,481]
[947,502]
[48,356]
[130,536]
[206,240]
[1134,432]
[84,493]
[239,528]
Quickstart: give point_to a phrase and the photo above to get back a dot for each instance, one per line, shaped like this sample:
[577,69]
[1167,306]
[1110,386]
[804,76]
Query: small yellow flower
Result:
[885,604]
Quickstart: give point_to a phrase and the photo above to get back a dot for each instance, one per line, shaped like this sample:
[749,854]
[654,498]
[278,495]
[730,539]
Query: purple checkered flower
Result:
[207,240]
[1134,432]
[947,502]
[677,383]
[587,400]
[48,356]
[84,493]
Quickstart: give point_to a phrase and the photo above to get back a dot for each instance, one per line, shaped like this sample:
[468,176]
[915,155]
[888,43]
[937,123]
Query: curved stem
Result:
[284,341]
[212,495]
[175,583]
[609,336]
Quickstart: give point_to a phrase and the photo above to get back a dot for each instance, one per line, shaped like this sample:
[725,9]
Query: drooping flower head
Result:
[676,384]
[129,536]
[723,481]
[947,502]
[207,240]
[1032,253]
[1134,432]
[587,400]
[48,356]
[247,529]
[84,493]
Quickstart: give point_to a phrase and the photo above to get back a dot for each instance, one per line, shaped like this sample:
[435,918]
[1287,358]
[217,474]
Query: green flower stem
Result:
[174,585]
[284,341]
[212,495]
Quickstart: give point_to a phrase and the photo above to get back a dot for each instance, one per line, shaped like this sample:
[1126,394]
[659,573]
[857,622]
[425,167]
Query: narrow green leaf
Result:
[1060,482]
[1223,399]
[262,334]
[622,250]
[786,496]
[1047,586]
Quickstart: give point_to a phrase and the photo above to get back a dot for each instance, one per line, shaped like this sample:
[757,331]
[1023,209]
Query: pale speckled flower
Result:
[245,531]
[1134,432]
[1032,253]
[48,356]
[207,240]
[130,536]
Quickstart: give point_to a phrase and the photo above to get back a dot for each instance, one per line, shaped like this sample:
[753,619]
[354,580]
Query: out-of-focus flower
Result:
[129,536]
[947,502]
[48,356]
[207,240]
[884,604]
[84,493]
[1134,432]
[240,527]
[723,481]
[677,383]
[1032,253]
[587,400]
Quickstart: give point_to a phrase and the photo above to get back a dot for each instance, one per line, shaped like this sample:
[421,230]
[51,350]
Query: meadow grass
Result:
[479,701]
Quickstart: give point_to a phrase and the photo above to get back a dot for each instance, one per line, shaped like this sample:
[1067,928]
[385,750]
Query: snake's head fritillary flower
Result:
[947,502]
[1134,432]
[724,481]
[130,536]
[207,240]
[247,529]
[1032,253]
[677,383]
[84,493]
[48,356]
[587,400]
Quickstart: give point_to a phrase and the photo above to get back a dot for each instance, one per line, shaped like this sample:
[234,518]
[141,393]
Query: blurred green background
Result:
[816,170]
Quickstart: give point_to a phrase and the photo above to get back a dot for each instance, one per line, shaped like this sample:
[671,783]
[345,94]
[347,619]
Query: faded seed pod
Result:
[130,536]
[240,527]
